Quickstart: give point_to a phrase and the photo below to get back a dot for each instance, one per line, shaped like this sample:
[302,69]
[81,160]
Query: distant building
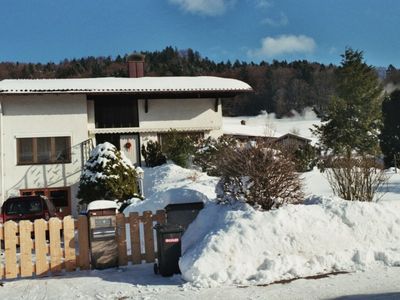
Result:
[289,140]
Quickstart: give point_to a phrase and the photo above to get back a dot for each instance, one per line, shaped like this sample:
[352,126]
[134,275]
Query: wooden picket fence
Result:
[61,246]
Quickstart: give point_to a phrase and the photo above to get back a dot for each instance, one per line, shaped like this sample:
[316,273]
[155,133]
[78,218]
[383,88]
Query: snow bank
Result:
[170,183]
[227,245]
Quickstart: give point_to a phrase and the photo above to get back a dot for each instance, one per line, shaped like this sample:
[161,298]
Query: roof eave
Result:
[139,94]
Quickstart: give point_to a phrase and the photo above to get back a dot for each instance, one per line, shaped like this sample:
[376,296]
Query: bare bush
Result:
[210,152]
[355,178]
[260,175]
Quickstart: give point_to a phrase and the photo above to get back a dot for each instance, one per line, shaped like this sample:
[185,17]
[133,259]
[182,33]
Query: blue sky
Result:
[248,30]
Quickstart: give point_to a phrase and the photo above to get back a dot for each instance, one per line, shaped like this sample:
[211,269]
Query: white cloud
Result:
[333,50]
[263,3]
[282,21]
[284,44]
[204,7]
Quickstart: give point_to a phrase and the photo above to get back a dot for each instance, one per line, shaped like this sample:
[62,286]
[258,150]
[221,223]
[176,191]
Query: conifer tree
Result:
[390,135]
[108,175]
[153,155]
[353,119]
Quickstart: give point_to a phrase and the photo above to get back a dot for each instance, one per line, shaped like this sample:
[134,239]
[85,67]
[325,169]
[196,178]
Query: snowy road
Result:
[139,282]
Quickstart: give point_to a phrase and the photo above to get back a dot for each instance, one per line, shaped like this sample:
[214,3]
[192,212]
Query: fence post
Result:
[10,247]
[83,240]
[1,247]
[55,245]
[69,244]
[134,224]
[148,236]
[26,245]
[121,240]
[41,250]
[160,217]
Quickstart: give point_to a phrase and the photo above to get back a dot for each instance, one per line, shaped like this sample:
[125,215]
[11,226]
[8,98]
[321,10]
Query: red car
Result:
[27,208]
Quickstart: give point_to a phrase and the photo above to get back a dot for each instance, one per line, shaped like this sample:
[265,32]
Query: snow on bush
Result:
[240,245]
[108,174]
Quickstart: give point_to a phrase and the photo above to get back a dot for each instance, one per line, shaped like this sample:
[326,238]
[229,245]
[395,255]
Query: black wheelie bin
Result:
[169,249]
[178,218]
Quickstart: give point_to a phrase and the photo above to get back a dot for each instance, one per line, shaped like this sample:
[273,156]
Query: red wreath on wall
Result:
[128,145]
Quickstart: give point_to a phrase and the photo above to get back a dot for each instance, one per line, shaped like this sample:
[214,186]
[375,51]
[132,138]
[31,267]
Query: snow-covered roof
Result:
[265,125]
[123,85]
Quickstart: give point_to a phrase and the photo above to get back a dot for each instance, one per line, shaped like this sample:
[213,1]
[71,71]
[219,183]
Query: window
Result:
[60,197]
[115,111]
[28,206]
[43,150]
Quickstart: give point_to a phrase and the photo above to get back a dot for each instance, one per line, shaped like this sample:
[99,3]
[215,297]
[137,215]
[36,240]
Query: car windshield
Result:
[23,206]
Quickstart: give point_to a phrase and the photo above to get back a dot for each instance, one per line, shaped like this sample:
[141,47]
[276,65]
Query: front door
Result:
[129,145]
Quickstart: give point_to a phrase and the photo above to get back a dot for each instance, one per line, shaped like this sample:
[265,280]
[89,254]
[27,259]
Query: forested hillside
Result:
[279,86]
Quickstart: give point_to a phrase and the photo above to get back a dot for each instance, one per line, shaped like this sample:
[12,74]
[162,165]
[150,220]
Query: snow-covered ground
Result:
[139,282]
[239,253]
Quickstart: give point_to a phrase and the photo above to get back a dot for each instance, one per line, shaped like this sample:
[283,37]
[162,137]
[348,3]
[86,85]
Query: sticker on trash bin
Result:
[172,240]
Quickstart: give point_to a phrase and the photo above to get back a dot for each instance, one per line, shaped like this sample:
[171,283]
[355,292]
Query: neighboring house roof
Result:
[110,85]
[263,125]
[293,136]
[269,138]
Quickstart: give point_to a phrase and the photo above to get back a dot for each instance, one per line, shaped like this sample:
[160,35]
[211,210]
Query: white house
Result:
[48,126]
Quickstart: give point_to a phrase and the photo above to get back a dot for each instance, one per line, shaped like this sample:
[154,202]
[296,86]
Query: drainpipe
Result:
[2,154]
[140,175]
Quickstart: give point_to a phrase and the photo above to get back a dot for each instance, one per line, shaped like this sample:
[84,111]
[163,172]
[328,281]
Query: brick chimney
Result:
[136,66]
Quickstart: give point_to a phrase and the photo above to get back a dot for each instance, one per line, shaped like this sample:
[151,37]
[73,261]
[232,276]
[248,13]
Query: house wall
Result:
[42,116]
[180,114]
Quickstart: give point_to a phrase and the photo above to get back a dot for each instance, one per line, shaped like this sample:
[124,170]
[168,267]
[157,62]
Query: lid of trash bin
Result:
[168,228]
[102,204]
[184,206]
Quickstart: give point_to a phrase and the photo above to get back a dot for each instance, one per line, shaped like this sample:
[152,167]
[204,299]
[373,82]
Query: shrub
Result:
[178,147]
[153,155]
[209,153]
[108,174]
[260,175]
[305,158]
[355,178]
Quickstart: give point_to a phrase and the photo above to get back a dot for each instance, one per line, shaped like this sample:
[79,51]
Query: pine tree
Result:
[109,175]
[353,119]
[178,147]
[390,135]
[153,155]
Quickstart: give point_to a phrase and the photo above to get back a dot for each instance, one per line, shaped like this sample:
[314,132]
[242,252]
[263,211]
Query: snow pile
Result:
[102,204]
[238,245]
[170,183]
